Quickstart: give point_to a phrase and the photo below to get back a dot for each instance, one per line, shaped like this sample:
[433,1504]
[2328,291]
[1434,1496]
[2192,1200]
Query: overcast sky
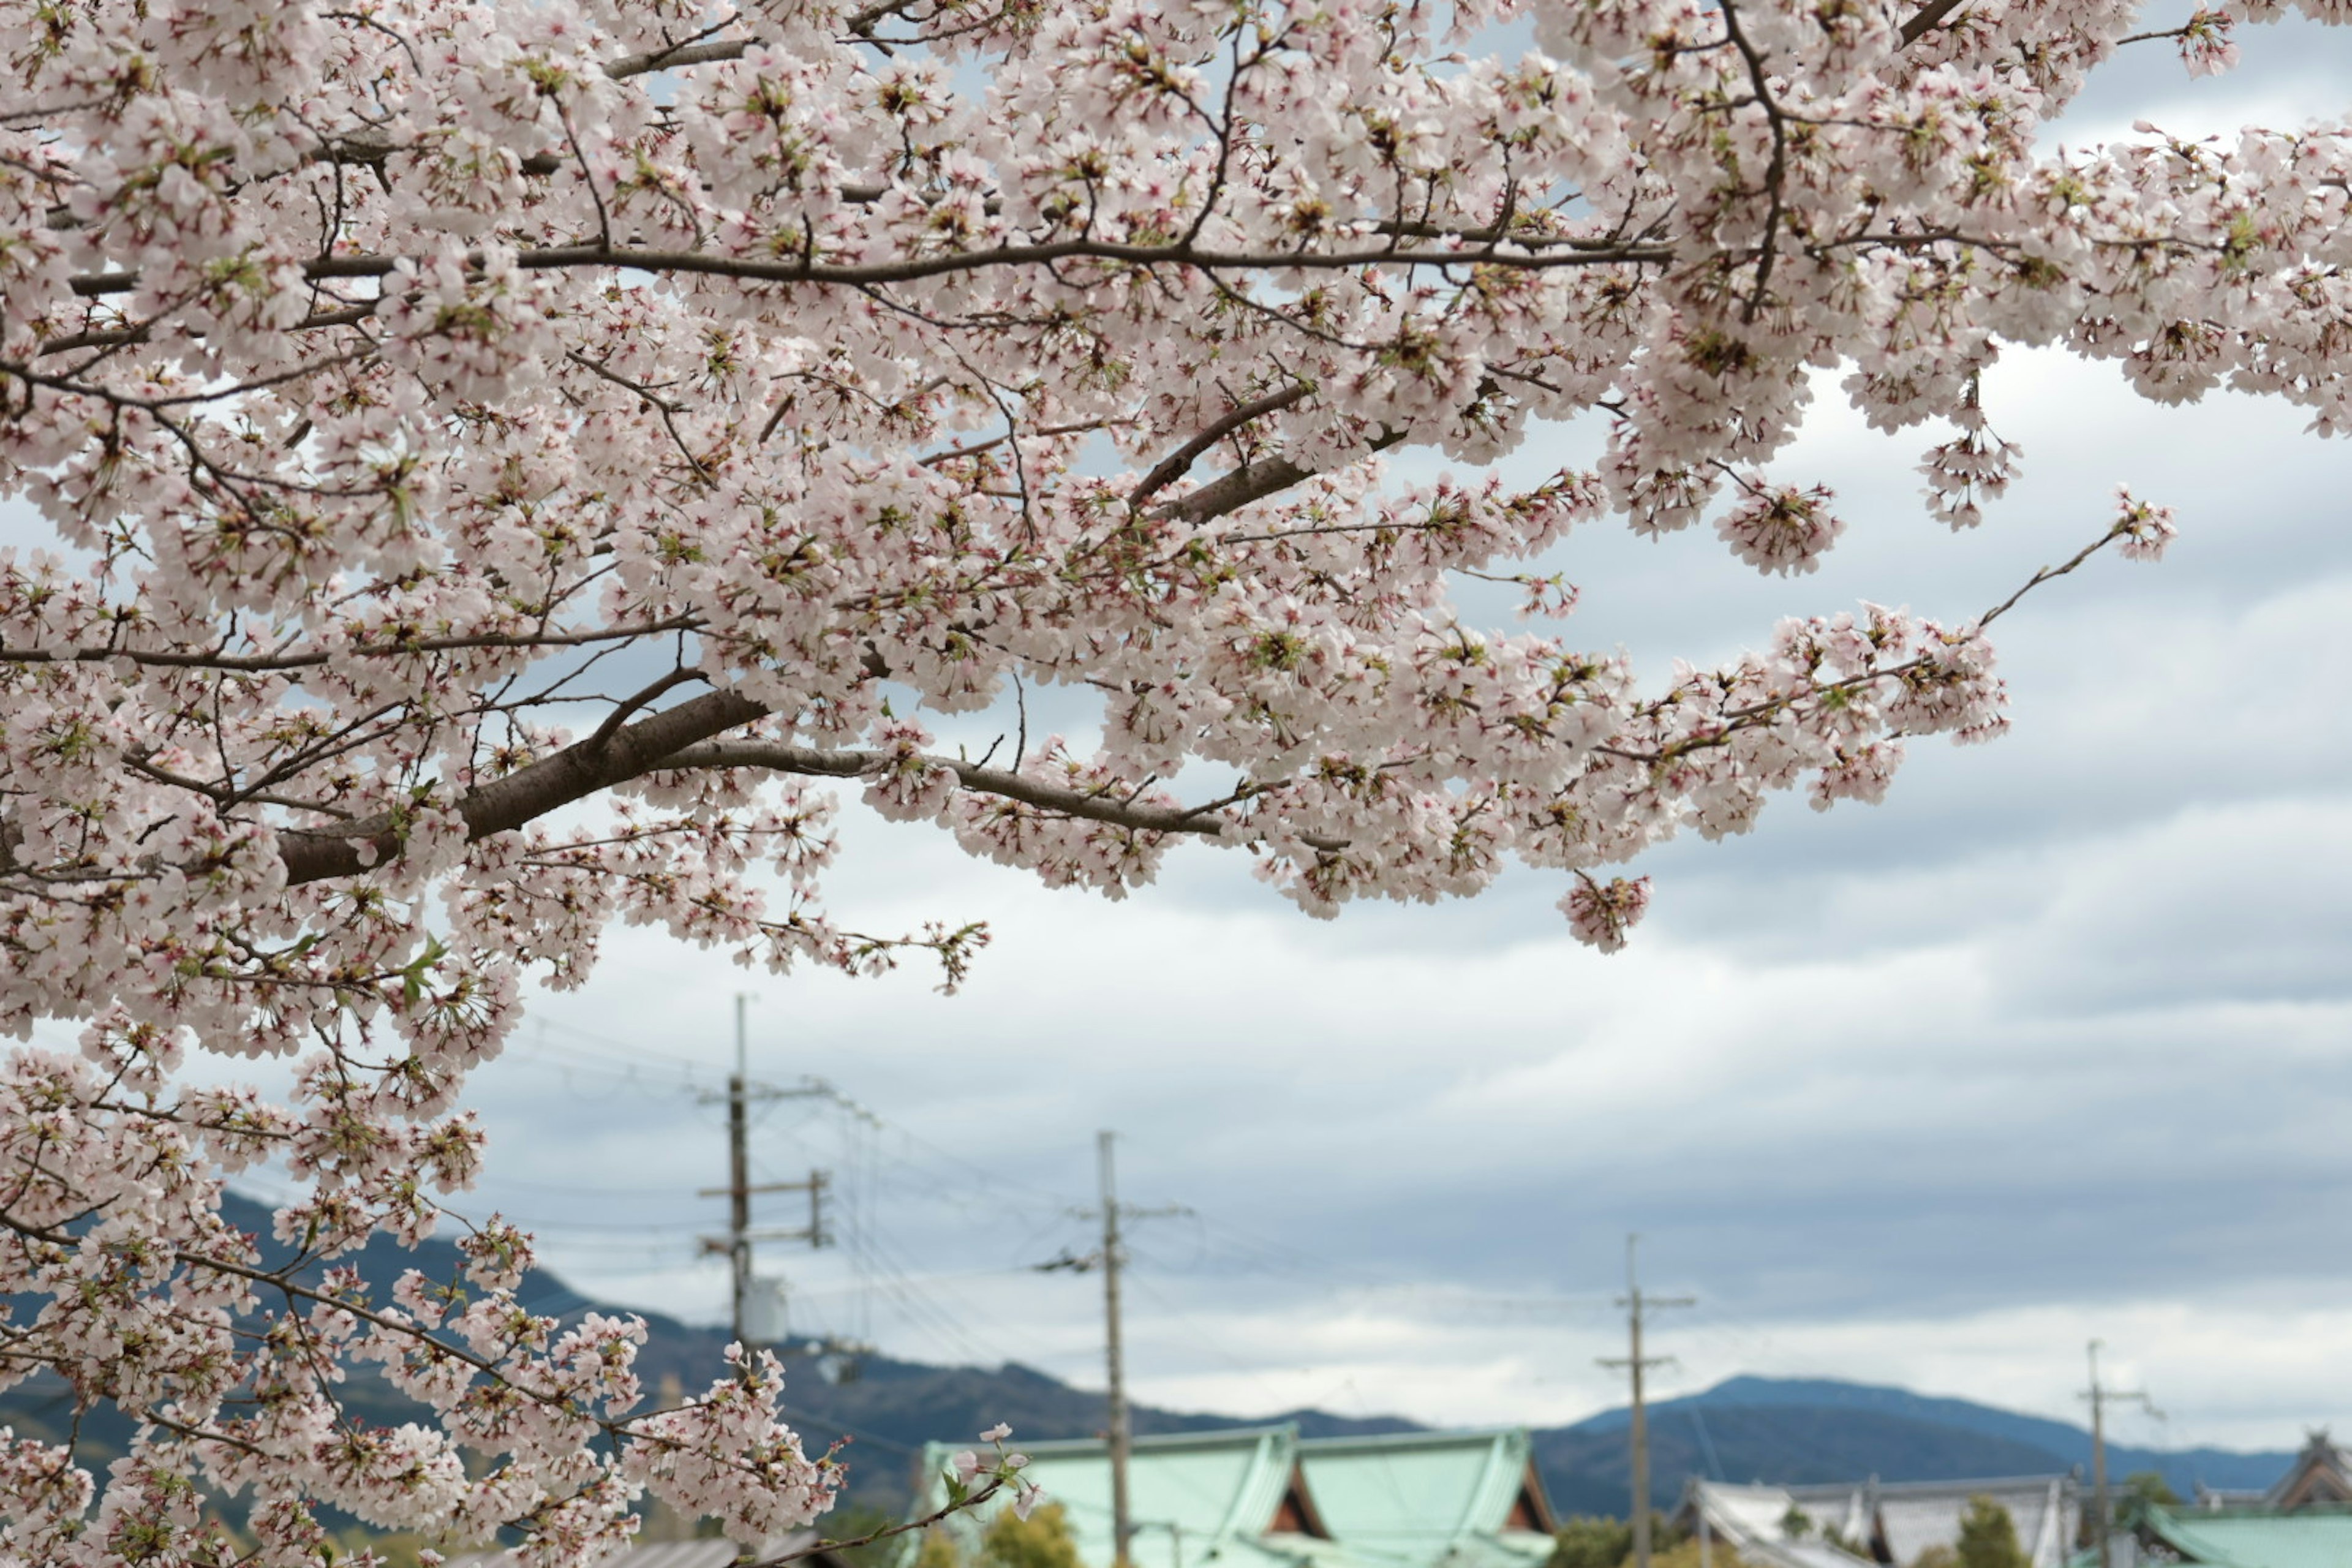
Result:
[2052,1045]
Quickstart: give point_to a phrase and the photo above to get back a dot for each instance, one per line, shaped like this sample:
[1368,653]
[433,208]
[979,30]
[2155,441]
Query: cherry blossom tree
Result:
[515,465]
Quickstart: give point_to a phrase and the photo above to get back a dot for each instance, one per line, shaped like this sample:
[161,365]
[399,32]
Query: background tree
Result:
[1851,1546]
[1591,1541]
[1041,1541]
[1682,1551]
[1988,1537]
[505,460]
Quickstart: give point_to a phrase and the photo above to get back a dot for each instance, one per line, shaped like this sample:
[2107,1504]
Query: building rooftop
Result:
[1261,1498]
[2314,1537]
[1232,1497]
[1894,1521]
[1426,1498]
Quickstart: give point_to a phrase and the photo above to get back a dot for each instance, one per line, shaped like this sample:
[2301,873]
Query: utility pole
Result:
[738,1178]
[737,1243]
[1636,1306]
[2101,1396]
[1122,1525]
[1110,1258]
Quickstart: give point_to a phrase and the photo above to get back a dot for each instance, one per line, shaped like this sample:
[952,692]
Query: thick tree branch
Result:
[915,268]
[677,55]
[1926,19]
[1253,481]
[1178,463]
[678,739]
[166,658]
[529,792]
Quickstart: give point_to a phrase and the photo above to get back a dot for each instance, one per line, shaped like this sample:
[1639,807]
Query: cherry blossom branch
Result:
[916,269]
[1095,805]
[682,738]
[1926,19]
[1253,481]
[258,664]
[888,1532]
[1174,466]
[2122,530]
[530,792]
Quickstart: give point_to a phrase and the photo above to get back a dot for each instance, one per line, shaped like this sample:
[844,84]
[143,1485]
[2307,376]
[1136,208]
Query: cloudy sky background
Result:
[2050,1046]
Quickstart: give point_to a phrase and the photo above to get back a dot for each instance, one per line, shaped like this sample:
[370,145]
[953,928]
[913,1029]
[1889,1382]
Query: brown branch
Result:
[1253,481]
[628,65]
[915,268]
[904,1527]
[256,663]
[107,338]
[2048,572]
[1926,19]
[1093,805]
[614,720]
[1178,463]
[529,792]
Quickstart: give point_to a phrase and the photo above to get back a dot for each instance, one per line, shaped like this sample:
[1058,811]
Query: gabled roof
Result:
[1432,1498]
[1747,1520]
[2319,1475]
[1232,1498]
[1908,1516]
[1900,1519]
[2313,1538]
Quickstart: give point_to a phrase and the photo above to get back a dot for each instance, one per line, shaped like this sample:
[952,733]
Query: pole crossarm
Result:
[814,1181]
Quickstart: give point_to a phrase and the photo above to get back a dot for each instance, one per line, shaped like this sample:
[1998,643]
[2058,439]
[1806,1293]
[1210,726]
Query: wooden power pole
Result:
[737,1243]
[1636,1306]
[1122,1523]
[1110,1260]
[2101,1396]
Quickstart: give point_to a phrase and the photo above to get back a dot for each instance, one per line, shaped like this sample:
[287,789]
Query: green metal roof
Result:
[2316,1538]
[1194,1499]
[1429,1497]
[1420,1499]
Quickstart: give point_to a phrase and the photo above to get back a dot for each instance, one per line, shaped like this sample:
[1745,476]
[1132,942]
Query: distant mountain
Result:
[1747,1428]
[887,1409]
[896,1406]
[1796,1430]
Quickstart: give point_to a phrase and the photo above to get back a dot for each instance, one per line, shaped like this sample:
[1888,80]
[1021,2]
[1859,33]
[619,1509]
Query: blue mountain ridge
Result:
[1786,1430]
[1798,1430]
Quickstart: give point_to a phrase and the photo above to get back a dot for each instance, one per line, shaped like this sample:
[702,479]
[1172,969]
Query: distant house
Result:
[1753,1523]
[1263,1498]
[1889,1522]
[2303,1522]
[2247,1538]
[2319,1477]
